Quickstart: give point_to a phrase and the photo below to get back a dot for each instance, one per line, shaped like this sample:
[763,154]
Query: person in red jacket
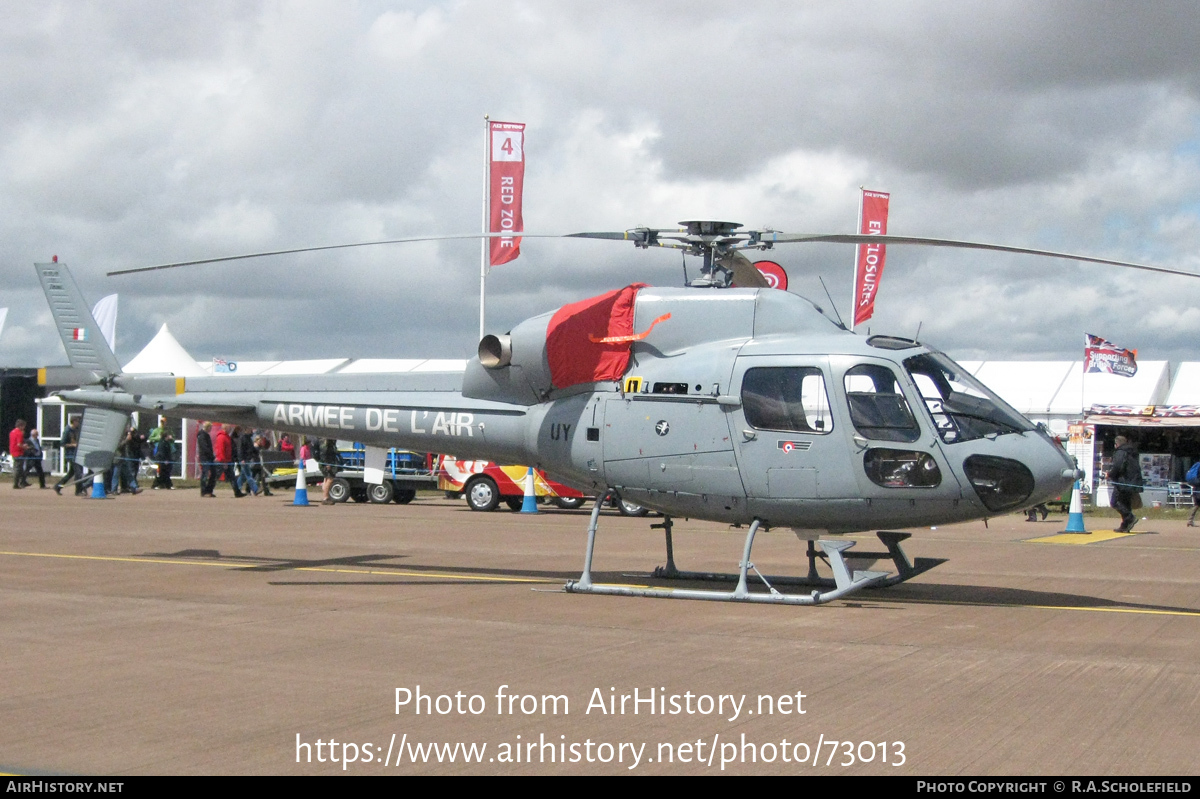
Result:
[223,452]
[16,450]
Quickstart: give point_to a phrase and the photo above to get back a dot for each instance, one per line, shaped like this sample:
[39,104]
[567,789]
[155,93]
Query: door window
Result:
[788,398]
[877,405]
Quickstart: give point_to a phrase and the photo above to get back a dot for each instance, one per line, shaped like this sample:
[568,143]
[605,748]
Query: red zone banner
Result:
[868,266]
[506,162]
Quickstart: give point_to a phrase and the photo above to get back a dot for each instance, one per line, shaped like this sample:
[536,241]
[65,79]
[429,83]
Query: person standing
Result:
[330,459]
[262,444]
[33,457]
[16,451]
[223,450]
[247,457]
[129,458]
[164,457]
[71,471]
[153,438]
[155,434]
[207,459]
[1192,478]
[1125,477]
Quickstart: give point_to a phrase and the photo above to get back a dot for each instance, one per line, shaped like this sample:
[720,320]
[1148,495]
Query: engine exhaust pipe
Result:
[495,352]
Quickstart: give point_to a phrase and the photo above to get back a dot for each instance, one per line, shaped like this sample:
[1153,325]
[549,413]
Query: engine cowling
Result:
[513,367]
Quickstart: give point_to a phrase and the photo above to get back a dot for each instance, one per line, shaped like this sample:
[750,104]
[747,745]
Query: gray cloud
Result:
[135,133]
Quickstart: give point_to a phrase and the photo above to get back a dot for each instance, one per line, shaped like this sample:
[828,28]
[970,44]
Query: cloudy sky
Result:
[135,133]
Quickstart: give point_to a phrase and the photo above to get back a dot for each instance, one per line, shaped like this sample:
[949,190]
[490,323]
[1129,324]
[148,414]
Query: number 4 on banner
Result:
[506,146]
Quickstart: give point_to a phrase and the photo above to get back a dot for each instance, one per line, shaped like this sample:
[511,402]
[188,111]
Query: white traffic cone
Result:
[1075,516]
[529,505]
[301,485]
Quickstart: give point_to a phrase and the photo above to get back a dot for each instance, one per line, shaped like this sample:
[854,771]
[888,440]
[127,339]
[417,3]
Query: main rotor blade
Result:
[634,234]
[617,235]
[650,237]
[745,274]
[867,238]
[293,251]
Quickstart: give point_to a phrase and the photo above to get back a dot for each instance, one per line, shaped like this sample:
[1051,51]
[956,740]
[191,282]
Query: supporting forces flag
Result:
[1104,356]
[506,170]
[868,262]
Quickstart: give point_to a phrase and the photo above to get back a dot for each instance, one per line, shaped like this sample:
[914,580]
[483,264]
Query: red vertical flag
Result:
[868,265]
[507,176]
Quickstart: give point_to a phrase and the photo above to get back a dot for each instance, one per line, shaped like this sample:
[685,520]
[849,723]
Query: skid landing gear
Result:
[845,581]
[906,569]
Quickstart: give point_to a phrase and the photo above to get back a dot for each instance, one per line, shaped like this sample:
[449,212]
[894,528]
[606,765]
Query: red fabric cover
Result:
[574,358]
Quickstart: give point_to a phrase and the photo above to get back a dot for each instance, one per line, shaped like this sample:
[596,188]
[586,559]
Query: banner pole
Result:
[854,272]
[484,242]
[1083,381]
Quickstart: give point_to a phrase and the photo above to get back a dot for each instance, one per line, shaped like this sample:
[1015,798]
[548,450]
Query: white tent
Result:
[105,314]
[1032,387]
[315,366]
[345,366]
[164,355]
[1060,389]
[1185,388]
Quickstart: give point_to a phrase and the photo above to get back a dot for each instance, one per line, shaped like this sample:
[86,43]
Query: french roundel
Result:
[773,272]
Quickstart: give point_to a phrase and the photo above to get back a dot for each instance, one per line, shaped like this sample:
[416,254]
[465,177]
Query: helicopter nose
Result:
[1028,469]
[1054,470]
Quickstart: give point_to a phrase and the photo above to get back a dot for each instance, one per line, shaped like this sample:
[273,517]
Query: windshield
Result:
[961,407]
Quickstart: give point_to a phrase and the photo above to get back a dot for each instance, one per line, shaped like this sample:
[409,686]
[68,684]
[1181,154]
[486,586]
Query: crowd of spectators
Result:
[241,456]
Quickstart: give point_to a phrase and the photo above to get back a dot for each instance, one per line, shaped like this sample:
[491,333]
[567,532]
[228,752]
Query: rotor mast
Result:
[714,241]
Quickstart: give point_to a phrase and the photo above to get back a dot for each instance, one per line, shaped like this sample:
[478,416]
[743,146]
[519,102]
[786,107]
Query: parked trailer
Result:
[404,473]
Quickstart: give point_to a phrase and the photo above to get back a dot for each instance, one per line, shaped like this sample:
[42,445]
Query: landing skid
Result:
[906,569]
[844,580]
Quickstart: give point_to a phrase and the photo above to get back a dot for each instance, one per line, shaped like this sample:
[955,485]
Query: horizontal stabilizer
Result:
[156,385]
[56,377]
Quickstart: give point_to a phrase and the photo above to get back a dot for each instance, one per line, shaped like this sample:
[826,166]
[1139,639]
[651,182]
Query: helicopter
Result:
[724,400]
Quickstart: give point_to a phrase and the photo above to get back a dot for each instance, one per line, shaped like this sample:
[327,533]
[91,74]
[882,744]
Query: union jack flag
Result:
[1100,355]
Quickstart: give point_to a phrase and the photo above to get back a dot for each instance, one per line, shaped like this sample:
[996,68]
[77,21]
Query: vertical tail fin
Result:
[99,435]
[87,350]
[81,336]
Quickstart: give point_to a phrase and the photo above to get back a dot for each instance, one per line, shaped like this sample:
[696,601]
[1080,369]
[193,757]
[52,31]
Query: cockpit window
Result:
[961,407]
[877,405]
[790,398]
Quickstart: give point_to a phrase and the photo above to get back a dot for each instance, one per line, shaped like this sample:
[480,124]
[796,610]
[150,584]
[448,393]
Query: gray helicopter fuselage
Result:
[743,404]
[703,423]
